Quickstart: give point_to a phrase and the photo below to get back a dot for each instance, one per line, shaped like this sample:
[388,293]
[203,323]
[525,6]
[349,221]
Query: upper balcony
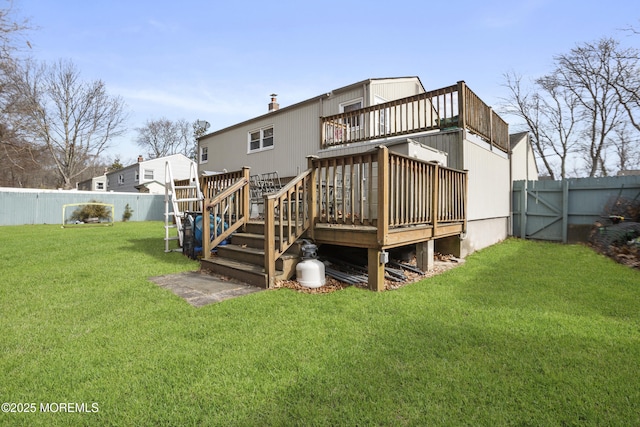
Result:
[451,107]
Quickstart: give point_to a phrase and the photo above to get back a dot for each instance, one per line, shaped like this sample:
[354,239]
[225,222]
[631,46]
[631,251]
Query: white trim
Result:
[351,102]
[201,152]
[262,147]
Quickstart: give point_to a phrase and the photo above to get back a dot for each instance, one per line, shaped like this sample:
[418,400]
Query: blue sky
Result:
[219,60]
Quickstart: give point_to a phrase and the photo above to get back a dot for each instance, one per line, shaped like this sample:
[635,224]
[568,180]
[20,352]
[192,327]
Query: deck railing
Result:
[453,106]
[386,190]
[375,192]
[286,219]
[226,200]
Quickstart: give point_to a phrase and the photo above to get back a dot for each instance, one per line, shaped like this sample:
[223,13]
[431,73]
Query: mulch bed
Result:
[442,263]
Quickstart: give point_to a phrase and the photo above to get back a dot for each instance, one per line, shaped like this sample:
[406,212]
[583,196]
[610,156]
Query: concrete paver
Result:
[200,289]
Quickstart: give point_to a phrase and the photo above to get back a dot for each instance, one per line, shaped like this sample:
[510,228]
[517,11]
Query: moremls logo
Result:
[69,407]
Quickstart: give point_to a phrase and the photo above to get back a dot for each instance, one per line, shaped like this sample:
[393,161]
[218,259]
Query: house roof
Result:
[310,100]
[148,184]
[515,138]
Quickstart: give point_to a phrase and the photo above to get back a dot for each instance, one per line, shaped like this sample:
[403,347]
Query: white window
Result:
[204,154]
[148,174]
[351,128]
[382,118]
[121,179]
[346,107]
[261,139]
[99,185]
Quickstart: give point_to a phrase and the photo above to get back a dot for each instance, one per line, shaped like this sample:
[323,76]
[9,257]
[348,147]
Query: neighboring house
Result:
[522,158]
[98,183]
[148,176]
[449,125]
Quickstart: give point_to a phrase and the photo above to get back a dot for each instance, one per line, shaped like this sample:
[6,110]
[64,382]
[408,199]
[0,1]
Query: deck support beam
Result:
[425,255]
[375,269]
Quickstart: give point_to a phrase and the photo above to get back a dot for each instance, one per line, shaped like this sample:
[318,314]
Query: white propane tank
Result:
[310,271]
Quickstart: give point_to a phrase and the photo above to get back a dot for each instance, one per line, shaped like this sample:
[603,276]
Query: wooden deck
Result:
[453,106]
[376,200]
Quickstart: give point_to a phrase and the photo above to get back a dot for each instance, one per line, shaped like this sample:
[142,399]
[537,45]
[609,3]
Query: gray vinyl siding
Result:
[129,182]
[449,142]
[296,134]
[296,129]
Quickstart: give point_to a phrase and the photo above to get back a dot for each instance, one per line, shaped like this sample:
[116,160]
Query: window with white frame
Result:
[120,179]
[261,139]
[99,185]
[204,154]
[148,174]
[382,118]
[346,107]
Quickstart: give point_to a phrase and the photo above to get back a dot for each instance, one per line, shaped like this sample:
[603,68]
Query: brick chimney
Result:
[273,105]
[140,158]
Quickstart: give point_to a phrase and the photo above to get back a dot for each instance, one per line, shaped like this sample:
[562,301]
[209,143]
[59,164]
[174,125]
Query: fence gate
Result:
[542,211]
[549,210]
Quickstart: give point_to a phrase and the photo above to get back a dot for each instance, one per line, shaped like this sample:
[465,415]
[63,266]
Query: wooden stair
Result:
[243,258]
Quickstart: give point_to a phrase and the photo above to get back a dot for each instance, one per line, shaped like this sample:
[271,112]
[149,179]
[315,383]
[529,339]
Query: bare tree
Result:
[549,115]
[11,30]
[587,72]
[73,119]
[577,112]
[627,149]
[163,137]
[17,156]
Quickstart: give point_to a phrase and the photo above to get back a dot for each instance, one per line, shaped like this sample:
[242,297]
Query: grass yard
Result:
[523,333]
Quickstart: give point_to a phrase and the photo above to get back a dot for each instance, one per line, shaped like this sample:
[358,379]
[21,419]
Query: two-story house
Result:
[148,176]
[398,113]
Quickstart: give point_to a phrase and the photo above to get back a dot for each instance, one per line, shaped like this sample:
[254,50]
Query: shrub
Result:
[85,212]
[127,213]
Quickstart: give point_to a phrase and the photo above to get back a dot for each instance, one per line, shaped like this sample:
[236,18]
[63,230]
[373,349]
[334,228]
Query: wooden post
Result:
[491,136]
[246,198]
[269,241]
[462,100]
[323,130]
[383,195]
[312,196]
[425,255]
[465,199]
[375,269]
[435,197]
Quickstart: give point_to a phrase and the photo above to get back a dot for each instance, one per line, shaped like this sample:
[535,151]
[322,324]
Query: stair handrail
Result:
[236,195]
[291,204]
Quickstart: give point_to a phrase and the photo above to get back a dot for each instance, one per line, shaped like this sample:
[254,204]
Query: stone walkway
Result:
[200,289]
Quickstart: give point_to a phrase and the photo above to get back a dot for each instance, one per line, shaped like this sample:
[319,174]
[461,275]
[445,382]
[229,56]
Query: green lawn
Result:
[523,333]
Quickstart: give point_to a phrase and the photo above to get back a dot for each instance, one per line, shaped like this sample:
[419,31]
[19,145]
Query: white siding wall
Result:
[523,162]
[395,89]
[489,181]
[180,167]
